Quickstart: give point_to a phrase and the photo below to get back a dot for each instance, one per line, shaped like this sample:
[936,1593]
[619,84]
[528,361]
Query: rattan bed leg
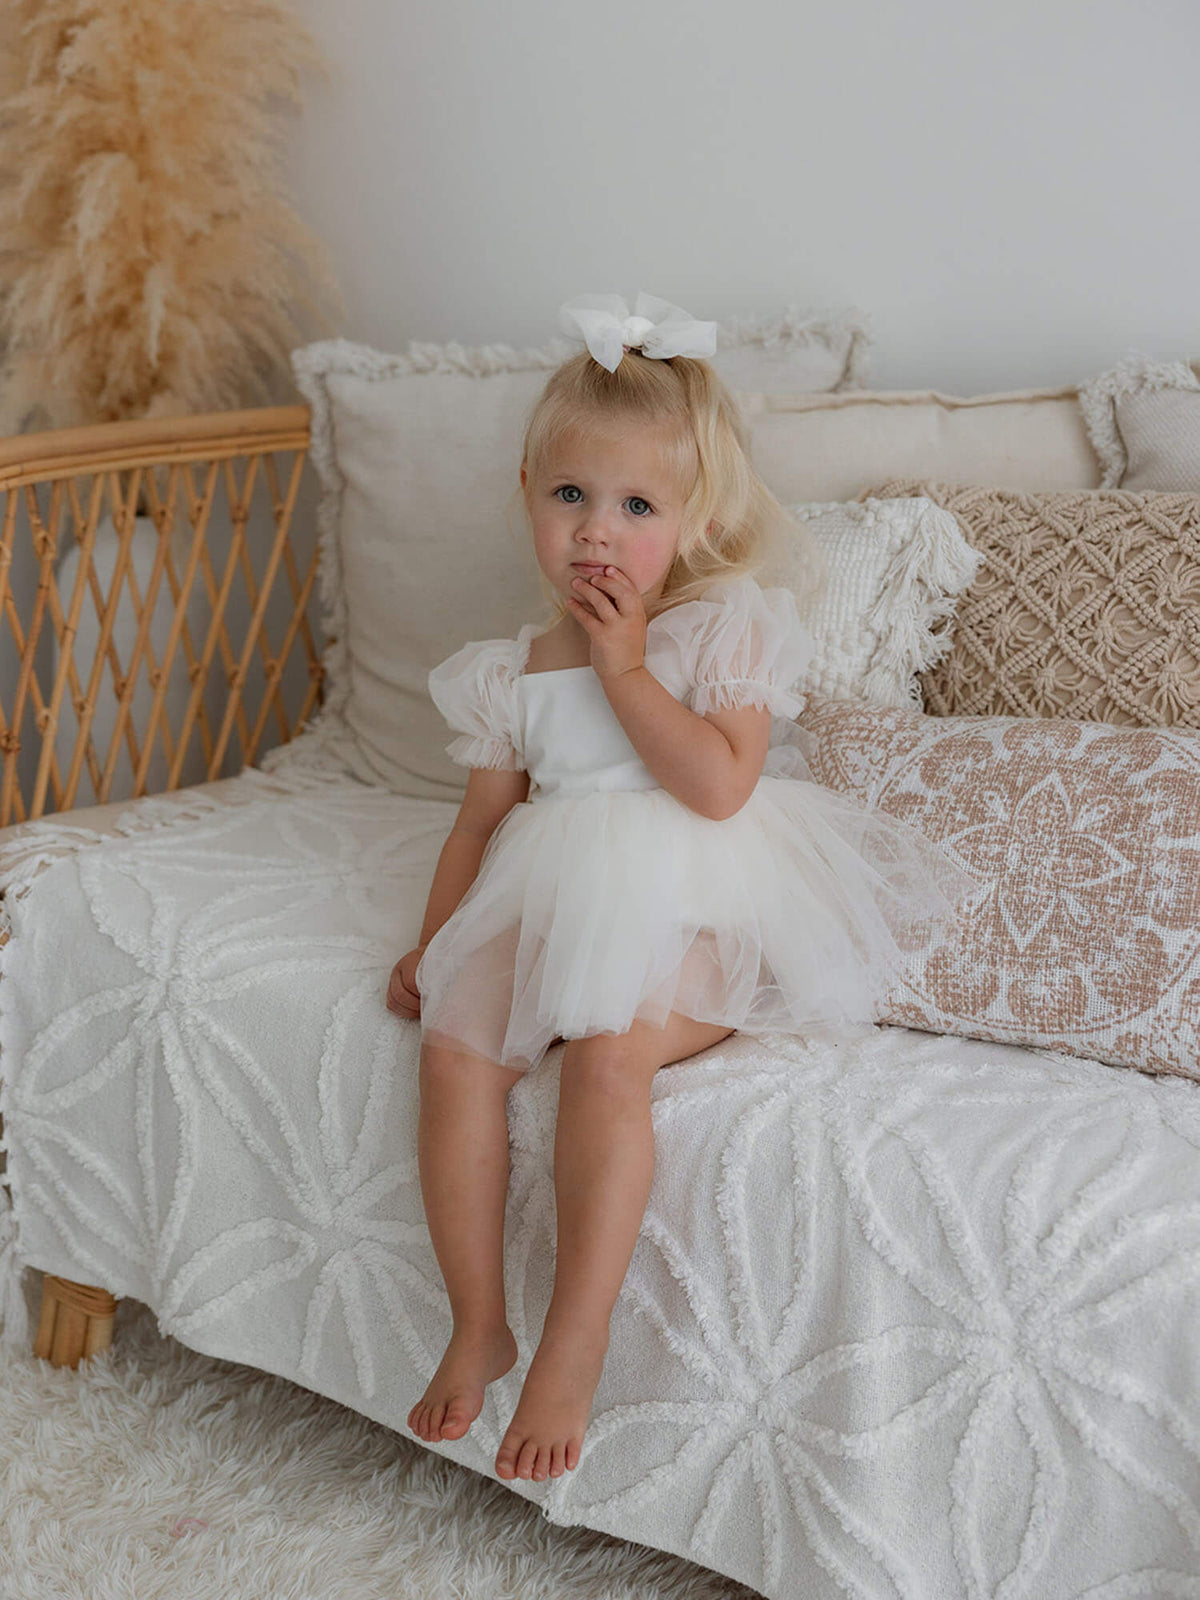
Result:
[76,1321]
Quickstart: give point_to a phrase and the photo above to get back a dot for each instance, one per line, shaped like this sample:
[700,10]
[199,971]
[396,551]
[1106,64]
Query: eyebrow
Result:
[567,477]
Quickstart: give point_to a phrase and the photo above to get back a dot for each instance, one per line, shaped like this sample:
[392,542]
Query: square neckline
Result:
[525,640]
[548,672]
[529,631]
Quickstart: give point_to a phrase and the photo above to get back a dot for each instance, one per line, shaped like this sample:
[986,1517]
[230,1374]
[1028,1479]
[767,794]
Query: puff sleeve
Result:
[741,645]
[475,690]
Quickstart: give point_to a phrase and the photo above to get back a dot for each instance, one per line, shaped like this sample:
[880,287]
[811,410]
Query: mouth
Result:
[589,566]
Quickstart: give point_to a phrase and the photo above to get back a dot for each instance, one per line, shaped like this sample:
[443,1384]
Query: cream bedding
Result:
[910,1317]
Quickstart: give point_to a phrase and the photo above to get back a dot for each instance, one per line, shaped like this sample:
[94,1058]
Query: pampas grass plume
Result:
[148,265]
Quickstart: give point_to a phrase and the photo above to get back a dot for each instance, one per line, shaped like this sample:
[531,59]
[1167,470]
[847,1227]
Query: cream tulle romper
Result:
[601,898]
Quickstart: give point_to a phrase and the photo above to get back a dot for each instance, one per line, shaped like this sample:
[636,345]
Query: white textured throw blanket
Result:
[910,1318]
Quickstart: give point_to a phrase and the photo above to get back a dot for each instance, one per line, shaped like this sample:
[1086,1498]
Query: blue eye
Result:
[634,499]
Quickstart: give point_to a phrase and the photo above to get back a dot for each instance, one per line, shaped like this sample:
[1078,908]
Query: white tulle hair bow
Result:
[655,327]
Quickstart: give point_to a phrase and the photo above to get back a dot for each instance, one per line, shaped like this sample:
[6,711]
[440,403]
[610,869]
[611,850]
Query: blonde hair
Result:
[732,524]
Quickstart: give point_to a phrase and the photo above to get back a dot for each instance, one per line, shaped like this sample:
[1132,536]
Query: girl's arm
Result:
[710,763]
[491,795]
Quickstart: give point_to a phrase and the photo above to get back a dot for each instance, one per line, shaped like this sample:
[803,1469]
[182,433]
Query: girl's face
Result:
[605,502]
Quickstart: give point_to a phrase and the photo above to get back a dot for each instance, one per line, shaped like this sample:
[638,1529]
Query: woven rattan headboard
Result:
[205,503]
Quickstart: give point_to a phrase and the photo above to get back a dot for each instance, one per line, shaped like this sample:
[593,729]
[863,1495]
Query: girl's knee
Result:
[616,1064]
[637,1054]
[453,1066]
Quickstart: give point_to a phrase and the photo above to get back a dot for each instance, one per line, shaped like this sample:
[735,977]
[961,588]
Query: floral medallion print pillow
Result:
[1087,938]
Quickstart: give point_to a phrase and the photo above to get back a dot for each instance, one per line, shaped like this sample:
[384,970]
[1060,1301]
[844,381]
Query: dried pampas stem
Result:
[148,266]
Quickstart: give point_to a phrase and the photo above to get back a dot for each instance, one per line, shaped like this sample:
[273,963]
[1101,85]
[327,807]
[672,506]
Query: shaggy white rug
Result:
[156,1472]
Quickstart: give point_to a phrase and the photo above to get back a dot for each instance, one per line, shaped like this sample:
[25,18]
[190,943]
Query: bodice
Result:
[736,645]
[571,737]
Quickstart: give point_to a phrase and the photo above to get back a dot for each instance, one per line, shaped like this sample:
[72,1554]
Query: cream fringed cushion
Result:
[422,536]
[1088,938]
[1087,606]
[894,571]
[1143,419]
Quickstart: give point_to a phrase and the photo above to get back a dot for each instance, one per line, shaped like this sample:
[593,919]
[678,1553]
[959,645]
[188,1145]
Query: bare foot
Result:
[546,1432]
[454,1397]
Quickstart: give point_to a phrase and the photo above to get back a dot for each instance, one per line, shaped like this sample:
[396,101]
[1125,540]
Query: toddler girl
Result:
[642,863]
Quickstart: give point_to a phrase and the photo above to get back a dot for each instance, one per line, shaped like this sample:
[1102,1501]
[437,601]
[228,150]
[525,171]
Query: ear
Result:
[524,474]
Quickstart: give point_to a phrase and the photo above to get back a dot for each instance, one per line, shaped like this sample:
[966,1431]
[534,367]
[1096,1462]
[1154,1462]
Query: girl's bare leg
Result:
[603,1166]
[462,1155]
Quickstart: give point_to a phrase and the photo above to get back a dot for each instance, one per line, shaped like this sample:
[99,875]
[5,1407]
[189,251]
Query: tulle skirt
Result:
[589,912]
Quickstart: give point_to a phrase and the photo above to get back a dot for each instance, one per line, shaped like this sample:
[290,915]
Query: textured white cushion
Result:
[905,1312]
[422,533]
[895,568]
[1143,418]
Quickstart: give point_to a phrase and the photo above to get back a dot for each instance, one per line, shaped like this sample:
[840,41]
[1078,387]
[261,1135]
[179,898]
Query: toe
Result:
[572,1454]
[557,1455]
[540,1463]
[437,1416]
[457,1421]
[506,1460]
[526,1456]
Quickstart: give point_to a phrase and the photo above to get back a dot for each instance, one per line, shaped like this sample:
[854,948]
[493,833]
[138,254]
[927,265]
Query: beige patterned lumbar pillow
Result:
[1086,937]
[1087,606]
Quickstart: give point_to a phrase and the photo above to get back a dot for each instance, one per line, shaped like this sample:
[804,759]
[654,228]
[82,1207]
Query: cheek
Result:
[647,566]
[546,535]
[663,551]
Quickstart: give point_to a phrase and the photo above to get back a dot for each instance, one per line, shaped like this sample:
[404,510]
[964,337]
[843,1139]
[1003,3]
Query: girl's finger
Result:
[597,591]
[620,586]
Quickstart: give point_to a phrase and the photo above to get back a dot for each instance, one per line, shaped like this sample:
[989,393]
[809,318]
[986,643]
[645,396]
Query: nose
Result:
[591,536]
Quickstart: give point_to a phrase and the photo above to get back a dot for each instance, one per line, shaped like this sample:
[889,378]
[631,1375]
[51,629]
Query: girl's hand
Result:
[610,608]
[403,996]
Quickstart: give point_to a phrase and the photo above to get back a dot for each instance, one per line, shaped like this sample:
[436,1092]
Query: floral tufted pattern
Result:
[910,1316]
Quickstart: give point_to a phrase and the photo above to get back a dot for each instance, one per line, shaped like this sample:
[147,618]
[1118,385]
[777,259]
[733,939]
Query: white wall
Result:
[1007,190]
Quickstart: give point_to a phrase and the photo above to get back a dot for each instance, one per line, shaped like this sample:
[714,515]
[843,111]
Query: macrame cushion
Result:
[1088,938]
[1086,606]
[894,571]
[1143,418]
[422,534]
